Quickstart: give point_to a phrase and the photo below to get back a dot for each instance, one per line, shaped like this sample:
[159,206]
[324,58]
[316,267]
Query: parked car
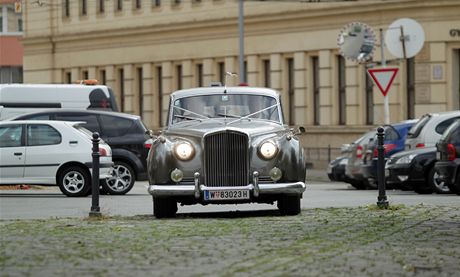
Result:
[415,169]
[395,135]
[226,145]
[50,152]
[353,168]
[448,155]
[126,135]
[336,169]
[428,130]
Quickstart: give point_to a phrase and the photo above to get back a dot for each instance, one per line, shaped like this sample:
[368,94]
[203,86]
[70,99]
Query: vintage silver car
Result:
[226,145]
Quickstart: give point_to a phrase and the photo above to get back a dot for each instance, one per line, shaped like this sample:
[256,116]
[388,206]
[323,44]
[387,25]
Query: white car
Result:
[50,152]
[429,128]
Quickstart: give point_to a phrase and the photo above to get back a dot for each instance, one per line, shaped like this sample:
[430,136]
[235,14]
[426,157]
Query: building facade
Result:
[11,51]
[145,49]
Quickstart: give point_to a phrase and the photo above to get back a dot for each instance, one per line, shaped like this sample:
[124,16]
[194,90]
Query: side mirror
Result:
[301,129]
[149,133]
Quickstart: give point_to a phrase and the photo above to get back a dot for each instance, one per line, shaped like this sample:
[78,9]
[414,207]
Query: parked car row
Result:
[421,155]
[124,135]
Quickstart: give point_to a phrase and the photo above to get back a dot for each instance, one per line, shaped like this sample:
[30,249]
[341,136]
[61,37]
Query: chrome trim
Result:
[189,190]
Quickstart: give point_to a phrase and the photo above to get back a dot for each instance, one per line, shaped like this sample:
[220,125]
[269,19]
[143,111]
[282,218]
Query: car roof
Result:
[50,122]
[60,111]
[228,90]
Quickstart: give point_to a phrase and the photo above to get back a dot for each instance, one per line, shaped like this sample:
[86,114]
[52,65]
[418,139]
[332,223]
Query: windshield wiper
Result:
[252,114]
[187,117]
[228,115]
[200,117]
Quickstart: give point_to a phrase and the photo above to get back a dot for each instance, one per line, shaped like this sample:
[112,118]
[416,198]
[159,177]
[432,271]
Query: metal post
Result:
[241,40]
[382,201]
[329,153]
[386,104]
[95,209]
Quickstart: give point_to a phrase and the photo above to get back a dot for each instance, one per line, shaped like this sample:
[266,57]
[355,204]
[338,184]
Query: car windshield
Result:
[235,107]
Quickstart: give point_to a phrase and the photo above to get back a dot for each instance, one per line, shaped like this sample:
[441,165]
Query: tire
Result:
[358,185]
[456,186]
[435,184]
[289,205]
[74,181]
[121,181]
[164,207]
[423,188]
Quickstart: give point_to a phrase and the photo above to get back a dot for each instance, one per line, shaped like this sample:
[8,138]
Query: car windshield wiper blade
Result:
[252,114]
[228,115]
[200,117]
[187,117]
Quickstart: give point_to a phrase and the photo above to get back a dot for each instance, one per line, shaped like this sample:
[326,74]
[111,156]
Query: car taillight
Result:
[359,152]
[420,145]
[103,152]
[148,144]
[451,152]
[387,148]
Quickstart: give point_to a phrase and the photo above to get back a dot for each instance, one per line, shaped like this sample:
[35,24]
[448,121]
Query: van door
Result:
[12,153]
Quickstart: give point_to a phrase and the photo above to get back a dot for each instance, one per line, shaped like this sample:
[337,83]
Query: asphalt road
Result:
[49,202]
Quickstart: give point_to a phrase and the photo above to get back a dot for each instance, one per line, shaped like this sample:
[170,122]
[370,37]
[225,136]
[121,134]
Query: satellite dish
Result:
[356,42]
[404,38]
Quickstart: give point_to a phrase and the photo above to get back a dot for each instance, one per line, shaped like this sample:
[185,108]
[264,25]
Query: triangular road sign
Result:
[383,78]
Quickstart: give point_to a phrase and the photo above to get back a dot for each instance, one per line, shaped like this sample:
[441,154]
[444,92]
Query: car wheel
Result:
[456,186]
[289,205]
[74,181]
[164,207]
[121,181]
[358,185]
[437,185]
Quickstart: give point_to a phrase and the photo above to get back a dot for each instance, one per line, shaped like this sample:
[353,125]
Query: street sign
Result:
[383,78]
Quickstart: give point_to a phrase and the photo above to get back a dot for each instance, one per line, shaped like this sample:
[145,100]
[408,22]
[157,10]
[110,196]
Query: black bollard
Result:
[95,209]
[382,201]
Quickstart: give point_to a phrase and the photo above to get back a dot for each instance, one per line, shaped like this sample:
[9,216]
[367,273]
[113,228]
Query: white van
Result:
[16,99]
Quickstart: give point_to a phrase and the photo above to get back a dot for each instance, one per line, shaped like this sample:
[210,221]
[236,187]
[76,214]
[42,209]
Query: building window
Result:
[291,90]
[316,99]
[102,77]
[369,99]
[66,8]
[221,72]
[266,74]
[156,3]
[159,75]
[199,75]
[11,74]
[119,5]
[85,75]
[342,86]
[121,88]
[137,4]
[83,7]
[179,76]
[68,77]
[100,6]
[10,21]
[410,88]
[140,87]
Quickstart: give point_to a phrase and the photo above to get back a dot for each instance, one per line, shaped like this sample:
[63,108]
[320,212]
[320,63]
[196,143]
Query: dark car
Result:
[336,169]
[126,135]
[226,145]
[395,135]
[414,169]
[448,151]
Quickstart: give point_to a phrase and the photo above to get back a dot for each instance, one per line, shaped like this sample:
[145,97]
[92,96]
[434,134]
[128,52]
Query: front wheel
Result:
[164,207]
[74,181]
[289,204]
[121,181]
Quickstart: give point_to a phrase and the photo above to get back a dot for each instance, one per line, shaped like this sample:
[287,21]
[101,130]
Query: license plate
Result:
[235,194]
[438,156]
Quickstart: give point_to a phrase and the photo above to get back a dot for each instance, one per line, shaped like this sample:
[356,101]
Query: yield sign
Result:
[383,78]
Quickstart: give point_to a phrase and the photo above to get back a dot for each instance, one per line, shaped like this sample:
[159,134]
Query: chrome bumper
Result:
[256,188]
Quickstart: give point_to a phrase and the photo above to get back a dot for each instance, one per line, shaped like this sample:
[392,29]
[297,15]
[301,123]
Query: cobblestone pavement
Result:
[365,241]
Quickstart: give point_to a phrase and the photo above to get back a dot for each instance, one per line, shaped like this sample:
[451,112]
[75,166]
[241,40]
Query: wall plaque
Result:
[422,73]
[422,94]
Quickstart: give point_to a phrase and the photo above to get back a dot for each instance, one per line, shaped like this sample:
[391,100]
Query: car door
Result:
[44,153]
[12,153]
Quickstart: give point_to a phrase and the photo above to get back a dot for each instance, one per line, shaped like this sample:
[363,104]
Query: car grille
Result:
[226,159]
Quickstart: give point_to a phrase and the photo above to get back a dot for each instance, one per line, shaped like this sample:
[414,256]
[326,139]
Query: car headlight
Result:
[268,150]
[184,151]
[405,159]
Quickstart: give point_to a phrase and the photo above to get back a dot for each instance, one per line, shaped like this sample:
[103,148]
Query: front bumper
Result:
[197,190]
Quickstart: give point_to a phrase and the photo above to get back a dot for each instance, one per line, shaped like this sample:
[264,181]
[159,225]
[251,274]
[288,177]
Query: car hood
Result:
[418,151]
[251,128]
